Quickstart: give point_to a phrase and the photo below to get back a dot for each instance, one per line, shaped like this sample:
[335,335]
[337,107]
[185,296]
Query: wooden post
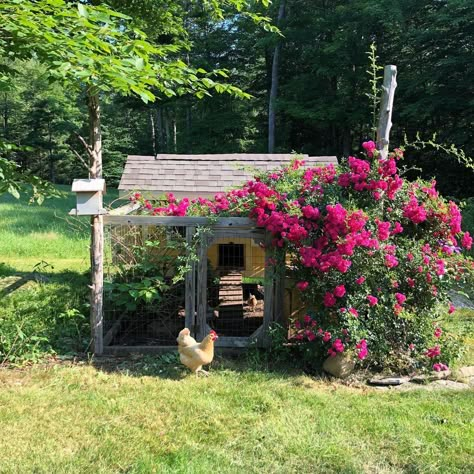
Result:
[97,228]
[279,300]
[268,308]
[386,107]
[201,325]
[190,286]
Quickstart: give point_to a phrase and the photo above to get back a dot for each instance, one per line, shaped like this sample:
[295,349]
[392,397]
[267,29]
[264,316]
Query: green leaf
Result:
[82,9]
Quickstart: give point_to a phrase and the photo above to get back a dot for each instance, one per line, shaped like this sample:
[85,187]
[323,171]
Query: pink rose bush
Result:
[372,254]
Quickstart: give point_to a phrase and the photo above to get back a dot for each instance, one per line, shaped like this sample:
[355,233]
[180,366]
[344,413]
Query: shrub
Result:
[42,319]
[372,254]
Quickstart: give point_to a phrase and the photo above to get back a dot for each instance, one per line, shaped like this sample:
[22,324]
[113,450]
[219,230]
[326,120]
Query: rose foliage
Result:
[372,255]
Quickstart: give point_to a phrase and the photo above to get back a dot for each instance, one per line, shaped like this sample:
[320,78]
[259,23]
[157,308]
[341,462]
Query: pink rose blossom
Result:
[329,300]
[433,352]
[354,312]
[372,300]
[400,297]
[339,291]
[360,280]
[466,241]
[302,285]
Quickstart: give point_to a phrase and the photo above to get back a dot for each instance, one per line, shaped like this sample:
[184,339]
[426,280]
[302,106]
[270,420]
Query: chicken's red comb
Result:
[214,333]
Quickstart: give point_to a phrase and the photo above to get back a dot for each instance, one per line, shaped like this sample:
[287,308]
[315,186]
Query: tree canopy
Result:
[179,52]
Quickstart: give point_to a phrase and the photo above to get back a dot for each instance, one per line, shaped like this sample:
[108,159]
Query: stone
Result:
[340,366]
[388,381]
[451,384]
[467,371]
[443,374]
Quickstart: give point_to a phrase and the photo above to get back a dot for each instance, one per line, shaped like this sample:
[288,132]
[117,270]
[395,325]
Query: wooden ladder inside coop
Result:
[230,290]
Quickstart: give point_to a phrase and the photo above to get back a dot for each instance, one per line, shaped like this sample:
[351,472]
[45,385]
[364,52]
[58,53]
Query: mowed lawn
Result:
[30,234]
[148,415]
[83,420]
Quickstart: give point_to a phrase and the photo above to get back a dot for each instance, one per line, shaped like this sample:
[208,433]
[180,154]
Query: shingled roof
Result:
[200,175]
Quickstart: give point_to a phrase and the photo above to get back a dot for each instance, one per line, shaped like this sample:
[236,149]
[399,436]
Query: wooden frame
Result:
[196,288]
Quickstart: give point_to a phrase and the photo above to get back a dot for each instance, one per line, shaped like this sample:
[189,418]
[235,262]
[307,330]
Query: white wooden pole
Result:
[386,108]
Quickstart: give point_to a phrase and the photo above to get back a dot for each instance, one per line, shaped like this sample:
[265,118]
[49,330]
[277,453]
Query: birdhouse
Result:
[89,194]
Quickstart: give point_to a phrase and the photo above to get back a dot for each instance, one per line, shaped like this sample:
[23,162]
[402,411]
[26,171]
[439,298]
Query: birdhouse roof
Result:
[202,175]
[88,185]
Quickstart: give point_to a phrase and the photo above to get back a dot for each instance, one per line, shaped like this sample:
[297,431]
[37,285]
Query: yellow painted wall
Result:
[254,256]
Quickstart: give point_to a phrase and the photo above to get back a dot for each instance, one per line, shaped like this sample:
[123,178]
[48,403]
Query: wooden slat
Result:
[202,290]
[190,286]
[126,209]
[229,341]
[225,222]
[268,286]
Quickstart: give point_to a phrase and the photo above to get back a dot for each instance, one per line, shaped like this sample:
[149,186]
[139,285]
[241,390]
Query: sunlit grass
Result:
[30,234]
[80,419]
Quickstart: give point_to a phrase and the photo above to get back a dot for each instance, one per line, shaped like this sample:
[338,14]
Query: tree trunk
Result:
[5,116]
[97,225]
[52,173]
[153,131]
[175,133]
[167,131]
[274,85]
[188,129]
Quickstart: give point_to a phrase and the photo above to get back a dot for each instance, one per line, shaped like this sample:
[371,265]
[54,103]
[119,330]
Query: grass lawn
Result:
[30,234]
[80,419]
[148,415]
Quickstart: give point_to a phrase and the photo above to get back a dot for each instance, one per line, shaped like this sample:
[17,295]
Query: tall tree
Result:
[100,50]
[274,82]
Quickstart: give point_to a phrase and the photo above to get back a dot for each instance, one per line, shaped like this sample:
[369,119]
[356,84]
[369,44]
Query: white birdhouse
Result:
[89,194]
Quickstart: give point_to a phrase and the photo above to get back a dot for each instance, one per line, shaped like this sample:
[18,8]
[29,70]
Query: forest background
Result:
[310,88]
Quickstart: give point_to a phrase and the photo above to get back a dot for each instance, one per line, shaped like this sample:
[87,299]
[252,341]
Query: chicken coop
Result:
[227,285]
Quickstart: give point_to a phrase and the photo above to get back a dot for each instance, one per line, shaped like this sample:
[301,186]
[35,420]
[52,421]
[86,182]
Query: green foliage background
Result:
[322,105]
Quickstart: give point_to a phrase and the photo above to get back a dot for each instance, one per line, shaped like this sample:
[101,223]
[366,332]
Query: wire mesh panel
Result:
[144,288]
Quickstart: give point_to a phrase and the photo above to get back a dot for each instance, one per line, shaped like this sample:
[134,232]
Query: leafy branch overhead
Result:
[101,48]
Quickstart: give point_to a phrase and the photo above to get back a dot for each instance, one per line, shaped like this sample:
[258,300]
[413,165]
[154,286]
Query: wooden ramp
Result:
[230,290]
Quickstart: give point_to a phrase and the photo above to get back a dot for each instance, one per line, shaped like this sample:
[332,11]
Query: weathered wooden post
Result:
[89,194]
[386,107]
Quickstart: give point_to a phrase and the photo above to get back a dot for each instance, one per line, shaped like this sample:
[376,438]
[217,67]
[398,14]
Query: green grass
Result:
[79,419]
[151,416]
[30,233]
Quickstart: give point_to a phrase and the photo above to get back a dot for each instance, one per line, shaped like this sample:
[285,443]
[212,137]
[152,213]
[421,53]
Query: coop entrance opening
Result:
[236,273]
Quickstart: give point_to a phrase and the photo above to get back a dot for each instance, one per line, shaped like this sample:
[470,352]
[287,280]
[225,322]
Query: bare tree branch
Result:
[79,157]
[88,148]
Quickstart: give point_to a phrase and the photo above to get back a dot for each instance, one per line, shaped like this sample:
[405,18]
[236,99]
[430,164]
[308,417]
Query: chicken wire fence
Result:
[143,296]
[145,289]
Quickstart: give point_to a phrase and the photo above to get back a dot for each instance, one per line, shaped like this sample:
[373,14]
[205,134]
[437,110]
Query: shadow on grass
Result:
[168,366]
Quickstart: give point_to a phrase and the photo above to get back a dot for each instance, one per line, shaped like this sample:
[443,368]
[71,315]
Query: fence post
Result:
[97,286]
[190,285]
[386,106]
[202,288]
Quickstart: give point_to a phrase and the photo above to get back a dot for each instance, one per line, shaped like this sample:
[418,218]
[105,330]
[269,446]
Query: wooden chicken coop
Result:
[239,311]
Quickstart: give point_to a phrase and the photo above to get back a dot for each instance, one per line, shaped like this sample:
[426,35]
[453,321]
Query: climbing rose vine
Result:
[371,254]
